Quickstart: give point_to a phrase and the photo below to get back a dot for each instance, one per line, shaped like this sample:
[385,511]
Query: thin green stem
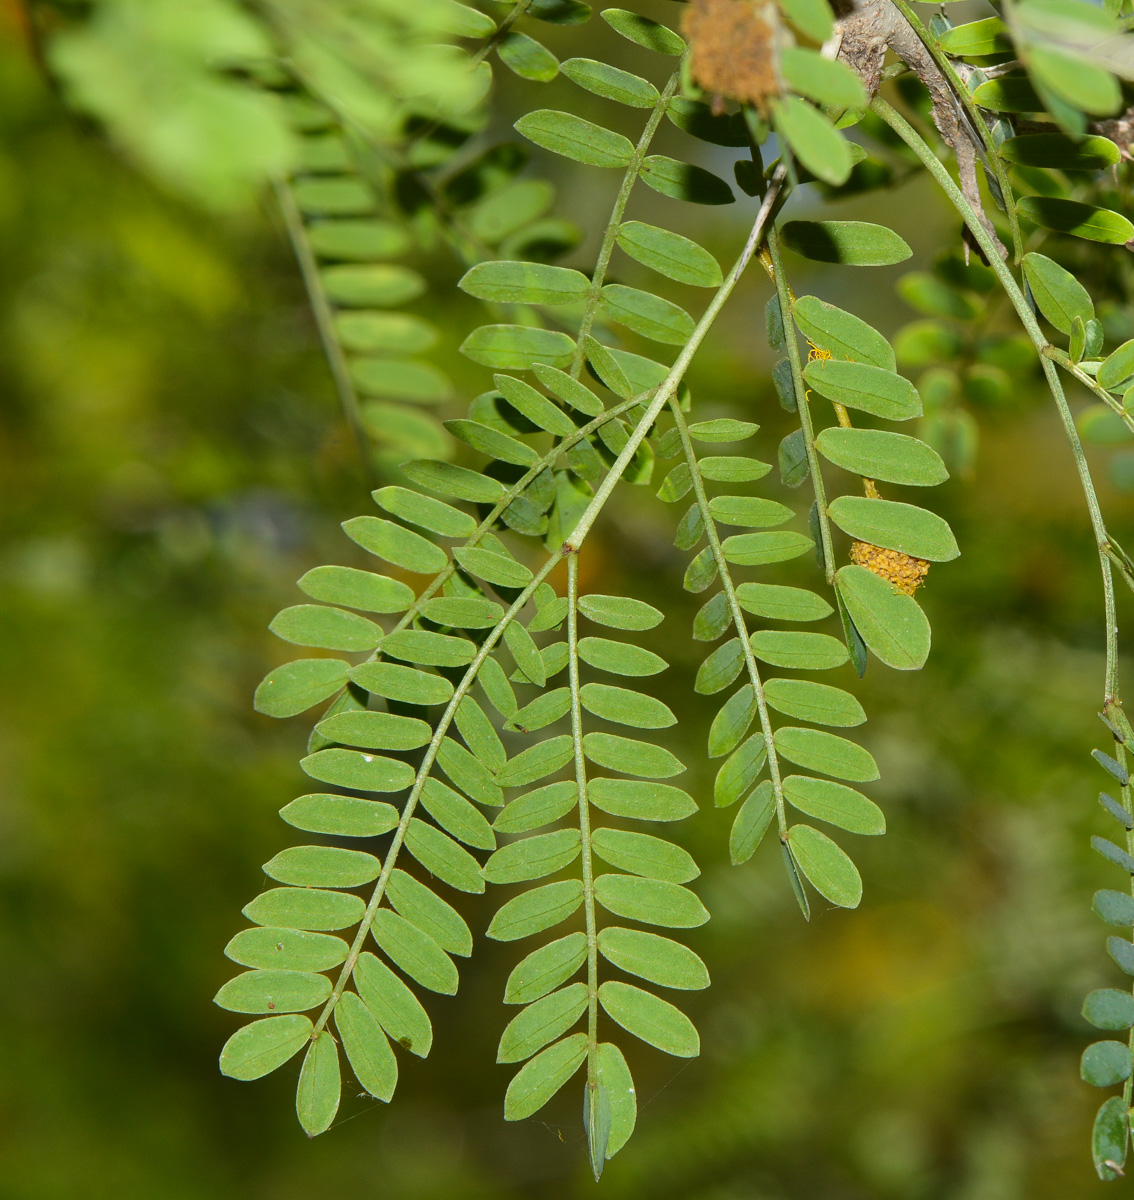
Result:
[668,386]
[1064,360]
[1012,289]
[590,922]
[803,405]
[594,295]
[443,724]
[324,318]
[738,620]
[501,30]
[972,111]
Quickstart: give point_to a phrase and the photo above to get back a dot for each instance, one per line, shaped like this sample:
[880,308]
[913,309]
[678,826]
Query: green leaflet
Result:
[782,603]
[611,82]
[868,388]
[526,653]
[286,949]
[456,815]
[640,800]
[823,151]
[723,429]
[396,544]
[569,390]
[619,612]
[536,762]
[538,1080]
[631,756]
[517,348]
[826,752]
[429,649]
[538,409]
[651,901]
[879,454]
[546,968]
[497,569]
[615,1079]
[527,58]
[372,286]
[650,956]
[1078,219]
[651,316]
[273,992]
[818,703]
[534,857]
[700,121]
[751,823]
[851,243]
[1105,1063]
[619,658]
[701,571]
[1069,80]
[440,855]
[414,951]
[725,468]
[317,1096]
[650,1018]
[505,211]
[406,684]
[625,706]
[977,38]
[432,915]
[669,254]
[305,908]
[720,668]
[895,526]
[740,771]
[712,619]
[492,442]
[397,1009]
[366,1047]
[834,803]
[538,807]
[542,711]
[811,17]
[326,628]
[260,1047]
[298,686]
[1110,1137]
[536,910]
[732,722]
[1058,152]
[890,623]
[323,867]
[752,512]
[763,549]
[482,740]
[684,181]
[847,337]
[340,816]
[524,283]
[496,687]
[643,31]
[541,1022]
[1118,367]
[358,769]
[643,854]
[1010,93]
[1058,294]
[449,480]
[1108,1008]
[799,651]
[827,868]
[574,138]
[826,81]
[359,240]
[357,589]
[375,730]
[385,333]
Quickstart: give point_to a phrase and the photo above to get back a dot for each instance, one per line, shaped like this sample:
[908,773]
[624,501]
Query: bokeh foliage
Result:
[162,394]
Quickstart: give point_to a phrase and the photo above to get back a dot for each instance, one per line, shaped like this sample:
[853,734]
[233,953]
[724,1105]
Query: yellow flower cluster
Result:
[906,573]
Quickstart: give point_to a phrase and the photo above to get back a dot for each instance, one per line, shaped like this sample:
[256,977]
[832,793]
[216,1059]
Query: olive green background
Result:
[173,459]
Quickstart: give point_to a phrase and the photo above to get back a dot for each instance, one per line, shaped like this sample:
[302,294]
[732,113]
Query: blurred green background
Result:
[173,459]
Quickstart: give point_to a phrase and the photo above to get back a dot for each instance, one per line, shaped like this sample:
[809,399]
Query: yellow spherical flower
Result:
[905,572]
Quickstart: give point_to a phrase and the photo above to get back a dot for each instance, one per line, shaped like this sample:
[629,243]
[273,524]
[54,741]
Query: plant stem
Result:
[1012,289]
[324,319]
[973,113]
[668,386]
[585,839]
[1064,360]
[786,300]
[738,619]
[610,234]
